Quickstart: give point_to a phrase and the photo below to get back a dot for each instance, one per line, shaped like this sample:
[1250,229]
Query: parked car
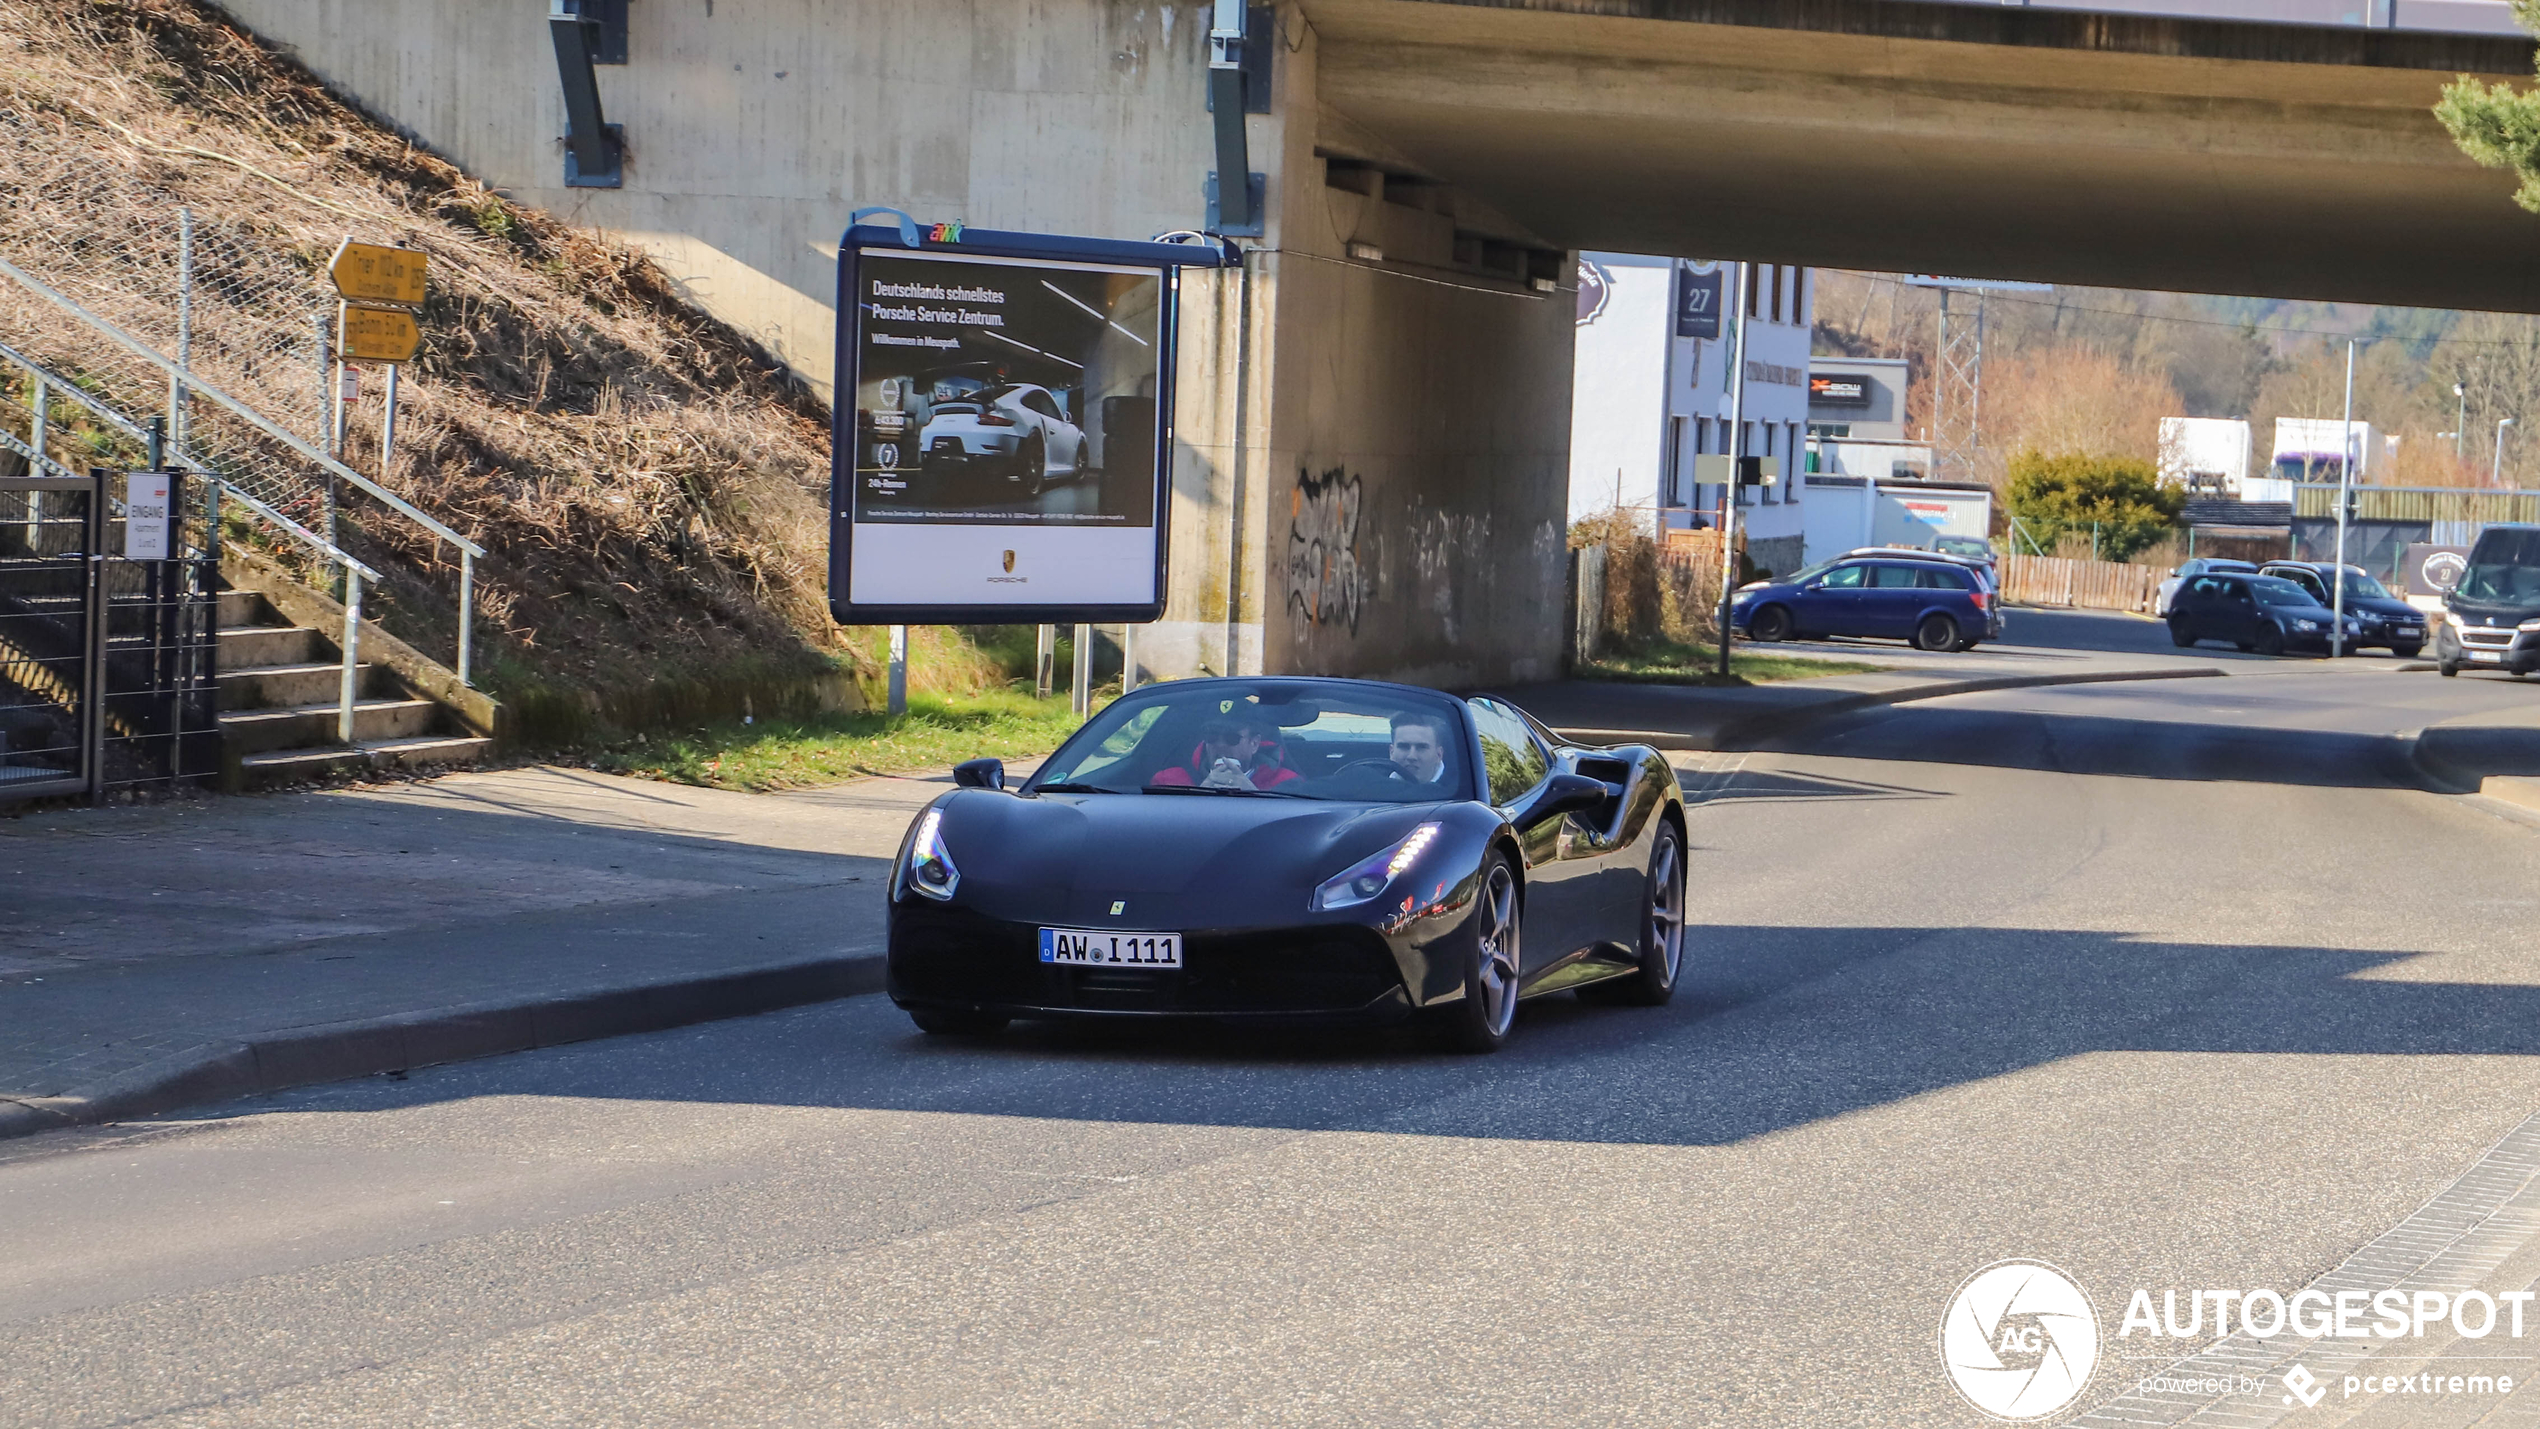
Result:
[1936,602]
[1966,548]
[2493,610]
[2388,622]
[1019,431]
[2253,612]
[2190,569]
[1284,848]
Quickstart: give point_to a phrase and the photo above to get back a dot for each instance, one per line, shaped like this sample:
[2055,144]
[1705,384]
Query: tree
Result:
[2120,496]
[2496,124]
[2071,399]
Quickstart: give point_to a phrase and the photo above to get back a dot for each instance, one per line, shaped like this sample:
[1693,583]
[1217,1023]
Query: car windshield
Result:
[2504,566]
[2359,584]
[1261,739]
[2280,592]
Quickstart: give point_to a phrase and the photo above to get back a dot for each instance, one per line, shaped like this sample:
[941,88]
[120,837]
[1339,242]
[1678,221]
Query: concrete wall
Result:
[753,127]
[1418,450]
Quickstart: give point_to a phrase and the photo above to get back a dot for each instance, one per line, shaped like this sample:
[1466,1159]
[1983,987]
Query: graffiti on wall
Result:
[1325,584]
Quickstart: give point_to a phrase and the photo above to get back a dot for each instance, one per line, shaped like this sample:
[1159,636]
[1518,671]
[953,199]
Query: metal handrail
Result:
[355,571]
[179,374]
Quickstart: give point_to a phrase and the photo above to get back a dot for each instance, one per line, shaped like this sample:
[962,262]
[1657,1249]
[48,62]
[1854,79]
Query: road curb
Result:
[1743,731]
[305,1056]
[2460,758]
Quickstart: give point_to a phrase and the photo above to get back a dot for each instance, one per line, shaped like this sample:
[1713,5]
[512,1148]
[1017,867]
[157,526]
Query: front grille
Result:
[2489,639]
[955,954]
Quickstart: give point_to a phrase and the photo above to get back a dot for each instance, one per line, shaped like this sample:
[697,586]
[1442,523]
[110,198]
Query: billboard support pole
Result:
[1128,657]
[1044,659]
[2345,495]
[899,670]
[1082,696]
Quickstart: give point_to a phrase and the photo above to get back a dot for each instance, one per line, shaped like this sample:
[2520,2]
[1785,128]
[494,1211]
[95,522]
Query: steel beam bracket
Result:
[595,150]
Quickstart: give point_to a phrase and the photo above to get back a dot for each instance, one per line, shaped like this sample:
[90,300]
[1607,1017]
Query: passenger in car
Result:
[1232,754]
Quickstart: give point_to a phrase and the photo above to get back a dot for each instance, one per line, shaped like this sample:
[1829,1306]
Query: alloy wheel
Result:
[1667,909]
[1498,951]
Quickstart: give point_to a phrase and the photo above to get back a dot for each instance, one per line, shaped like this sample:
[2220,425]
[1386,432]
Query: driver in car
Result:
[1419,751]
[1232,754]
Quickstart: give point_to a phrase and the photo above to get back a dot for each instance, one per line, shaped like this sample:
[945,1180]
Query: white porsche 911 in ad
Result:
[1018,431]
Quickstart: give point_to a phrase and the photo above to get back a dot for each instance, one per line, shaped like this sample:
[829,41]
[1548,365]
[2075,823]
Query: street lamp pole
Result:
[2460,417]
[2496,466]
[1737,442]
[2345,497]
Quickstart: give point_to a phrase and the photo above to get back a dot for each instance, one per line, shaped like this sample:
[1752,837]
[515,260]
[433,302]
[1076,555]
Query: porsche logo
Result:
[1009,563]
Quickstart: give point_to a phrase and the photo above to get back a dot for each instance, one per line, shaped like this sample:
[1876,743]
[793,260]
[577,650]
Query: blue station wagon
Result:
[1935,602]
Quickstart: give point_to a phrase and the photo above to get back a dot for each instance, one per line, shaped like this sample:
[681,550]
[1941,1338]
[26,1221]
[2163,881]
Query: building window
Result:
[1754,298]
[1777,292]
[1799,295]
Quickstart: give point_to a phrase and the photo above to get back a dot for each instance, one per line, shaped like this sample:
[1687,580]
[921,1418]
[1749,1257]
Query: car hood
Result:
[2489,612]
[1169,860]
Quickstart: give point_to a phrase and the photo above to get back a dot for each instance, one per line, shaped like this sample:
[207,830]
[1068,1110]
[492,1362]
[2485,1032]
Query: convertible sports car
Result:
[1283,847]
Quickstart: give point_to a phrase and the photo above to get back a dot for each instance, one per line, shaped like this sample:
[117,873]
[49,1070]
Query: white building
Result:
[2207,454]
[1649,397]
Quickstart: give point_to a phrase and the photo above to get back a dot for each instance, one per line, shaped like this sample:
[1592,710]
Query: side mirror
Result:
[1569,794]
[980,774]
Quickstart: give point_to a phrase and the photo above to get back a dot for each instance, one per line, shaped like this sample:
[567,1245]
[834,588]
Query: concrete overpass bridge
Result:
[1375,410]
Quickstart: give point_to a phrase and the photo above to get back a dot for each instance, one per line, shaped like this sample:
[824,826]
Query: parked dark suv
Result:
[2260,613]
[1937,602]
[2387,622]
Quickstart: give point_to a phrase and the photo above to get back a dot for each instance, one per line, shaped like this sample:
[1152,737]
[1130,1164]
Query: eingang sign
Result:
[1002,446]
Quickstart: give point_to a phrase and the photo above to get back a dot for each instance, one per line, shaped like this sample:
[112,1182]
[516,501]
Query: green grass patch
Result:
[1668,662]
[770,754]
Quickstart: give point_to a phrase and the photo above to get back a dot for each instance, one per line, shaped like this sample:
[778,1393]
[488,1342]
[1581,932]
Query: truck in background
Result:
[1845,513]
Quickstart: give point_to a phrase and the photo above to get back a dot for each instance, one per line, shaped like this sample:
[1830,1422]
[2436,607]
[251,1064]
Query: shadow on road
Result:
[1759,1040]
[2116,746]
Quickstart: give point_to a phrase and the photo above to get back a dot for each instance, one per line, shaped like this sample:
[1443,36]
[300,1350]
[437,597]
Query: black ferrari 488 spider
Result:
[1307,848]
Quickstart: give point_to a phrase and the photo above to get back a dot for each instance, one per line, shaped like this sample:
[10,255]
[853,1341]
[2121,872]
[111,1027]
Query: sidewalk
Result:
[2496,754]
[155,957]
[158,957]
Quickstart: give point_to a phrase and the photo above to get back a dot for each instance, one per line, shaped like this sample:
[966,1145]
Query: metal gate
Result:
[106,663]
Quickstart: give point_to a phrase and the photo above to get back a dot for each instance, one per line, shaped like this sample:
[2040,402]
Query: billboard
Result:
[1698,301]
[1001,449]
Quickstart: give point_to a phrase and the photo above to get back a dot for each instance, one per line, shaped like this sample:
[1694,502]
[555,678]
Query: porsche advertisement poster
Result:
[1004,450]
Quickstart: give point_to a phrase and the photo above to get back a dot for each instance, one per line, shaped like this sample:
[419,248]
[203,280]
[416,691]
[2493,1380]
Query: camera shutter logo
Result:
[2020,1340]
[1009,563]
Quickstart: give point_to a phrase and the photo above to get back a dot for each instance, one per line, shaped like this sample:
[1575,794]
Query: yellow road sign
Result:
[370,273]
[375,334]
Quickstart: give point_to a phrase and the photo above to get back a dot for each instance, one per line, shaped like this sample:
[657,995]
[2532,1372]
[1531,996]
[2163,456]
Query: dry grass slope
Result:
[647,482]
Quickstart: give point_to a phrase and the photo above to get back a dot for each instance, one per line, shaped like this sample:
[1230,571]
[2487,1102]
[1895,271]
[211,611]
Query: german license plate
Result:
[2408,632]
[2491,656]
[1088,948]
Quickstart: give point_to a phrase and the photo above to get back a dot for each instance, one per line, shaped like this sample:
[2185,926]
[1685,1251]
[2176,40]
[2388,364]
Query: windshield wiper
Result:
[1206,789]
[1063,787]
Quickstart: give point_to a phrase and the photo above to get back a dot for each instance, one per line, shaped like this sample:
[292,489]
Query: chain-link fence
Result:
[239,306]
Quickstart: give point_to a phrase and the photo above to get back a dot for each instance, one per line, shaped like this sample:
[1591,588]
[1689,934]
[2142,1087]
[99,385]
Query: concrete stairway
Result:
[279,715]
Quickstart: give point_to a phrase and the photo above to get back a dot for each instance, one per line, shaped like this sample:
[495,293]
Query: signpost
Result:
[1003,444]
[380,286]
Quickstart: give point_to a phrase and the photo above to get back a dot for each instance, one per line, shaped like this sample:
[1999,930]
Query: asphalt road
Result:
[2181,983]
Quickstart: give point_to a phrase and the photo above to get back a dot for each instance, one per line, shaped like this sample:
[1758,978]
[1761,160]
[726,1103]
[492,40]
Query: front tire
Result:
[1769,626]
[1662,931]
[1937,633]
[2269,641]
[1481,1021]
[956,1022]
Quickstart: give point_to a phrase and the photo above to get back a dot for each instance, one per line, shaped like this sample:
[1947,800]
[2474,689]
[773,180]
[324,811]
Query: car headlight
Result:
[930,865]
[2306,625]
[1369,877]
[2529,625]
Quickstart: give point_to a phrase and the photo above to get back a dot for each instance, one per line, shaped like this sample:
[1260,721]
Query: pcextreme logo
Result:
[2019,1340]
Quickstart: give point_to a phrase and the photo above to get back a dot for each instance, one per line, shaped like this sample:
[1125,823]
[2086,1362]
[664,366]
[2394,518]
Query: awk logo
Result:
[2019,1340]
[1009,563]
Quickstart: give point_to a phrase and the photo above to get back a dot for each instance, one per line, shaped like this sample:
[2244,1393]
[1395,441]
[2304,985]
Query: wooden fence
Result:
[2094,585]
